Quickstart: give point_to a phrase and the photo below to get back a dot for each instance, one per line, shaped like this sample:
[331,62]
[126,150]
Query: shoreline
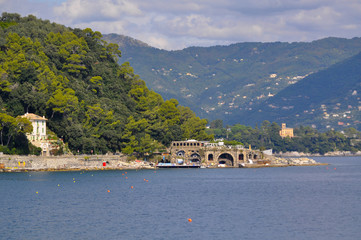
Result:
[15,163]
[150,168]
[330,154]
[112,163]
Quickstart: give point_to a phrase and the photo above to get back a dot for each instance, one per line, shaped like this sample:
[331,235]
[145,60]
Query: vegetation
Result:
[306,140]
[327,99]
[232,82]
[72,77]
[95,105]
[12,135]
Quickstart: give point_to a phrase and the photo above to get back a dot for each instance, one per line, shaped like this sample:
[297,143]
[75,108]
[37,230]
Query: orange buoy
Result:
[146,180]
[108,190]
[125,172]
[334,169]
[189,219]
[131,187]
[126,177]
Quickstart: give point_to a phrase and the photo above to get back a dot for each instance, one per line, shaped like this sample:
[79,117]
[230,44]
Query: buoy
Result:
[144,179]
[126,177]
[131,187]
[74,181]
[334,169]
[189,219]
[125,172]
[108,190]
[58,185]
[36,192]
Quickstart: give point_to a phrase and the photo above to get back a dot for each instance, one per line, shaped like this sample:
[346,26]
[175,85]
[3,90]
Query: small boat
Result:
[173,165]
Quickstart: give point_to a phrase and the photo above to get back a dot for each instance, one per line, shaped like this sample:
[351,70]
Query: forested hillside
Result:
[71,76]
[227,82]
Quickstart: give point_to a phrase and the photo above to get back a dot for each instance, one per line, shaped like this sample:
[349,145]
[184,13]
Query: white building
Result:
[38,137]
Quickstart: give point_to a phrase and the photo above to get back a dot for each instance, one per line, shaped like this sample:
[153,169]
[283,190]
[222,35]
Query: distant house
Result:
[38,137]
[286,132]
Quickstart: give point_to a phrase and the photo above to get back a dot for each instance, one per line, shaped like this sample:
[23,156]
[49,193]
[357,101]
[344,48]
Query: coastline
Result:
[328,154]
[14,163]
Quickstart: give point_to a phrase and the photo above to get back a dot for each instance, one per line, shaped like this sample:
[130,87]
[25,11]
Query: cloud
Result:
[174,24]
[80,11]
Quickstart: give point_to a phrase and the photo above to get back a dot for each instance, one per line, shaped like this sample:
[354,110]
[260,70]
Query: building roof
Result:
[32,116]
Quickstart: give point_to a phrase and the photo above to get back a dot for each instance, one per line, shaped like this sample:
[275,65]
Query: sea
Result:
[318,202]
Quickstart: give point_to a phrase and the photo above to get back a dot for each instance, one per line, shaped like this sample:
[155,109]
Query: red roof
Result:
[32,116]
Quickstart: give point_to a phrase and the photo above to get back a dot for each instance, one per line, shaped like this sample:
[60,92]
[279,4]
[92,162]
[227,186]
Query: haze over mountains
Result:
[315,83]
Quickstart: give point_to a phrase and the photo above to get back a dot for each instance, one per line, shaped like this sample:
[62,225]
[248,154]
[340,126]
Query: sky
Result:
[176,24]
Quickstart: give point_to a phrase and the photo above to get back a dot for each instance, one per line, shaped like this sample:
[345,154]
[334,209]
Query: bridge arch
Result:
[181,153]
[195,157]
[226,158]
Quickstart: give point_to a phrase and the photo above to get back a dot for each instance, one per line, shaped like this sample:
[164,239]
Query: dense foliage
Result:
[72,77]
[306,140]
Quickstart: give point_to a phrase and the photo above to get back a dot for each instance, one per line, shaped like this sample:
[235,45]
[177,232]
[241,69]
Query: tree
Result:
[218,123]
[63,101]
[10,127]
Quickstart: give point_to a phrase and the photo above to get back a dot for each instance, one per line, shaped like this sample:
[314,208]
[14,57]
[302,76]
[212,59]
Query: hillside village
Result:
[244,101]
[231,82]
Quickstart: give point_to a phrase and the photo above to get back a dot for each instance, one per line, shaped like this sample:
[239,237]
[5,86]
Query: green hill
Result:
[71,76]
[227,82]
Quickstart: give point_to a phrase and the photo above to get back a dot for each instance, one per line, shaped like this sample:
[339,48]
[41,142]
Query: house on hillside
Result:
[38,137]
[286,132]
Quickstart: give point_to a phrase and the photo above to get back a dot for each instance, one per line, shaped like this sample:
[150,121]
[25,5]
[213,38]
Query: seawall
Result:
[9,163]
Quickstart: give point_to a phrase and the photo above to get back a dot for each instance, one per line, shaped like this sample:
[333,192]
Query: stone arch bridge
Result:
[196,152]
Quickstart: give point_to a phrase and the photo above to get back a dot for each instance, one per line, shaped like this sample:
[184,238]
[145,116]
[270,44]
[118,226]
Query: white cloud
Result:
[80,11]
[174,24]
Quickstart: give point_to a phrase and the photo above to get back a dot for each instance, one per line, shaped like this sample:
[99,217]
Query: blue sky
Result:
[176,24]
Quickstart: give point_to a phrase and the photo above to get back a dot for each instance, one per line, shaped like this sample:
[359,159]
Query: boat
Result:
[173,165]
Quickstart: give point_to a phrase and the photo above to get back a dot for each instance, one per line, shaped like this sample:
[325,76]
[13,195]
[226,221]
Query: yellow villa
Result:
[286,132]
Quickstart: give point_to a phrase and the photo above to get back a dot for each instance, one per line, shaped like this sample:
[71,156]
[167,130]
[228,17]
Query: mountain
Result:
[330,98]
[72,78]
[227,82]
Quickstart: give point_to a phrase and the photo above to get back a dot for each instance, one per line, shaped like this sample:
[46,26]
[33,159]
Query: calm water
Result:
[270,203]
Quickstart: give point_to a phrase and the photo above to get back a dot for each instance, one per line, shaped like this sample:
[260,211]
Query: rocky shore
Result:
[329,154]
[283,162]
